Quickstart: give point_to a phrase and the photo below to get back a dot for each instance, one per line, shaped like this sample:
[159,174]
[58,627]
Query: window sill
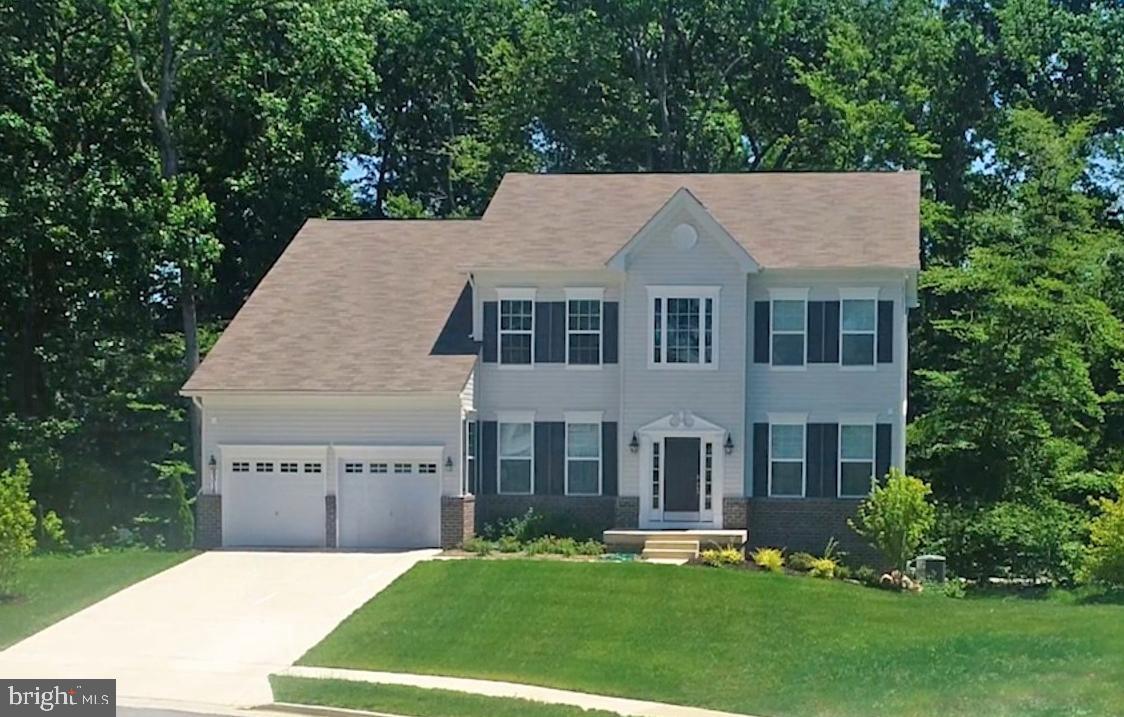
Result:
[515,366]
[788,369]
[858,367]
[683,366]
[582,495]
[584,366]
[508,492]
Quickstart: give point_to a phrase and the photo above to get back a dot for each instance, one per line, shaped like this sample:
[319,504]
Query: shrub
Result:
[717,557]
[823,568]
[1103,561]
[769,559]
[896,517]
[842,571]
[801,561]
[866,575]
[508,544]
[17,522]
[522,528]
[551,545]
[51,534]
[478,545]
[955,589]
[591,547]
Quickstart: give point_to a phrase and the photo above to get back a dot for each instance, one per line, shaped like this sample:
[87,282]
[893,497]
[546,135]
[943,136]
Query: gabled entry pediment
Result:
[682,422]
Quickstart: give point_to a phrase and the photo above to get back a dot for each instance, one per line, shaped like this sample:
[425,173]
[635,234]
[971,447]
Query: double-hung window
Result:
[789,316]
[583,327]
[857,326]
[516,457]
[856,459]
[517,326]
[786,457]
[583,454]
[470,437]
[683,326]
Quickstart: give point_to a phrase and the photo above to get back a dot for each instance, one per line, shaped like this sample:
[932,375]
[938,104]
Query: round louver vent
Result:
[683,237]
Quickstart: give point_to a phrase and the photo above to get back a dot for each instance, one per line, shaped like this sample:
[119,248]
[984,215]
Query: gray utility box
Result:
[930,568]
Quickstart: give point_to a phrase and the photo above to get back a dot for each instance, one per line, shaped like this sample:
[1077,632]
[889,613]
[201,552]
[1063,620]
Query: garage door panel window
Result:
[427,468]
[313,468]
[378,467]
[263,467]
[287,467]
[403,467]
[583,458]
[240,467]
[352,467]
[516,457]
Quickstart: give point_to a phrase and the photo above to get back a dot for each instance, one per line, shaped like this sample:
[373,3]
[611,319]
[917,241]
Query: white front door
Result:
[388,503]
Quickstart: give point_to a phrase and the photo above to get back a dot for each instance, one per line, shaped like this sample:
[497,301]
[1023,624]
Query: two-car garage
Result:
[317,496]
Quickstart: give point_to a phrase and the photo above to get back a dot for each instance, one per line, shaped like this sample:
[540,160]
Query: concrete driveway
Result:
[210,630]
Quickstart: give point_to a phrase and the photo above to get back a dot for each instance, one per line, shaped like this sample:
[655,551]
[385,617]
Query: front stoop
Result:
[671,550]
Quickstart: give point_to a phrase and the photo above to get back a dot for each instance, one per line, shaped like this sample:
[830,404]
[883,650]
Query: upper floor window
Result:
[858,326]
[517,326]
[683,326]
[583,327]
[789,310]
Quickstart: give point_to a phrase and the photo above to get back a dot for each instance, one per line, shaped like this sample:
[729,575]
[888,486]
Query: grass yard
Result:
[414,701]
[738,640]
[50,587]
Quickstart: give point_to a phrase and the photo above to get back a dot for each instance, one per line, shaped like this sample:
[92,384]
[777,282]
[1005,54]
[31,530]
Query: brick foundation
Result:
[806,524]
[458,519]
[735,513]
[330,521]
[586,516]
[208,521]
[628,513]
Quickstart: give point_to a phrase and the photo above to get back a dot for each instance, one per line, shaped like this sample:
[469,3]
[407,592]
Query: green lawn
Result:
[414,701]
[738,640]
[50,587]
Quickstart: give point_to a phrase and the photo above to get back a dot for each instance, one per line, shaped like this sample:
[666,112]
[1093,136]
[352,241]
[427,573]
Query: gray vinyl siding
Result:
[715,395]
[824,391]
[336,420]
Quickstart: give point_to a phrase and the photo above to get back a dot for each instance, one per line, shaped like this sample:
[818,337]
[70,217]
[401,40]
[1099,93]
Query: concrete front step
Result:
[668,554]
[672,545]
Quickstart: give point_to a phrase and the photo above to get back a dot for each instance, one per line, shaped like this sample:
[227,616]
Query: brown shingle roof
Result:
[357,306]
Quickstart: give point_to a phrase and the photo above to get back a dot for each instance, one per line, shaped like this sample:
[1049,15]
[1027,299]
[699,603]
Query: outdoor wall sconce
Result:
[634,444]
[448,463]
[728,446]
[214,466]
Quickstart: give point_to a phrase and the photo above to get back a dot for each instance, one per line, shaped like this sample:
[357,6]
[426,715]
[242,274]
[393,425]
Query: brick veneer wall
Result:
[591,514]
[735,513]
[806,524]
[458,519]
[628,513]
[208,520]
[330,521]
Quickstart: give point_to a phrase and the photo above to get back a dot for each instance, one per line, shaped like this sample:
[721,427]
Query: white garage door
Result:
[273,503]
[388,504]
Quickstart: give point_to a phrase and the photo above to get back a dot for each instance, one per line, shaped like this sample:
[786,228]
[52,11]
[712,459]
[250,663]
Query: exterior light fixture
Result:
[214,466]
[634,444]
[728,446]
[448,463]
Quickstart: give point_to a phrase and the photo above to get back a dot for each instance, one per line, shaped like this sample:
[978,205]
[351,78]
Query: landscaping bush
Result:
[478,545]
[823,568]
[955,589]
[717,557]
[1042,538]
[896,517]
[1103,560]
[521,529]
[866,575]
[508,544]
[769,559]
[552,545]
[801,561]
[591,547]
[17,522]
[842,572]
[51,535]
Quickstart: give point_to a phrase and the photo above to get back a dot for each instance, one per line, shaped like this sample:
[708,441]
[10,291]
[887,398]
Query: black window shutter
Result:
[885,332]
[761,332]
[609,331]
[557,332]
[815,332]
[609,458]
[491,330]
[557,458]
[829,460]
[488,458]
[542,332]
[812,463]
[831,332]
[882,439]
[760,460]
[542,458]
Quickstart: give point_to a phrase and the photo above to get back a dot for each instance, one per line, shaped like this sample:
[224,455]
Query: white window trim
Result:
[583,418]
[502,417]
[856,420]
[869,293]
[684,292]
[593,293]
[789,294]
[512,294]
[790,419]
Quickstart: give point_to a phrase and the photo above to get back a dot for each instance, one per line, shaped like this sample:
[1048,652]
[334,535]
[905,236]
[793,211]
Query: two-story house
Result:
[654,351]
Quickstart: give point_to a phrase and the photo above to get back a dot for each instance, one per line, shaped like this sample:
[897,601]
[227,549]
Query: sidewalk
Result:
[620,705]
